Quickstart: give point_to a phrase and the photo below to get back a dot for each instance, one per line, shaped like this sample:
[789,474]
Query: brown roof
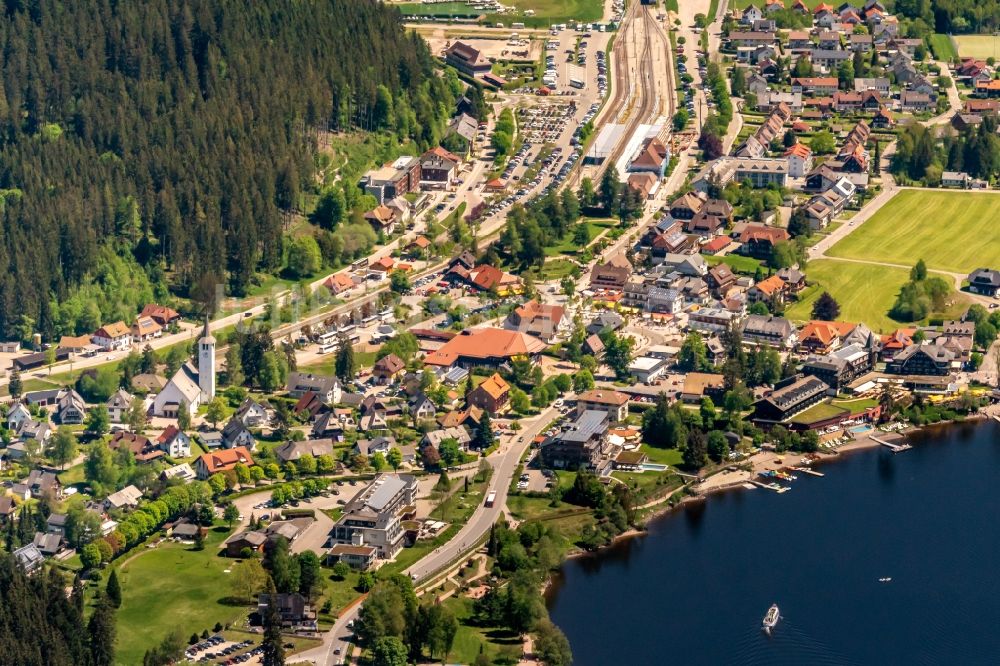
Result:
[225,459]
[771,285]
[483,343]
[390,364]
[160,313]
[825,331]
[695,383]
[603,397]
[494,386]
[653,154]
[115,330]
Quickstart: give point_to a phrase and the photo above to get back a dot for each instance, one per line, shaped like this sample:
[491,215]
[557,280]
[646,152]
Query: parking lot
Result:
[217,650]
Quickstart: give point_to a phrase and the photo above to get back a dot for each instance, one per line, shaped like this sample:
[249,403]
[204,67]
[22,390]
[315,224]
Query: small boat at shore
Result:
[771,619]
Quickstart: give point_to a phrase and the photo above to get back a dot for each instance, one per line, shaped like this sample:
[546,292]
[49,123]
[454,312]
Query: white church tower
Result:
[206,364]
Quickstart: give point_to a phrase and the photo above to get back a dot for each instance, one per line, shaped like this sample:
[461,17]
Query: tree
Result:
[90,556]
[15,386]
[551,645]
[135,417]
[63,446]
[693,356]
[399,282]
[919,271]
[216,410]
[101,631]
[823,143]
[230,514]
[249,578]
[618,353]
[610,190]
[304,258]
[718,446]
[234,365]
[798,224]
[440,626]
[394,458]
[272,646]
[484,436]
[310,576]
[114,590]
[680,120]
[345,365]
[389,651]
[825,308]
[696,452]
[341,570]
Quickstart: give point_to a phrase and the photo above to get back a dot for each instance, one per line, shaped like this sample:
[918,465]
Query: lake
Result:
[695,588]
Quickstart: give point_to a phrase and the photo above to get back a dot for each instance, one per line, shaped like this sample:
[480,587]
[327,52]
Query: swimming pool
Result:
[652,467]
[861,429]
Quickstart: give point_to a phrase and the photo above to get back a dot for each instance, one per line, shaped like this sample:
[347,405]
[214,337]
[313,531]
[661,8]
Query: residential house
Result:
[438,166]
[698,385]
[294,610]
[43,484]
[113,337]
[435,437]
[984,281]
[614,403]
[794,279]
[17,415]
[252,413]
[769,330]
[161,314]
[815,86]
[360,558]
[184,472]
[611,275]
[769,290]
[29,558]
[545,322]
[143,449]
[145,329]
[720,279]
[917,102]
[236,435]
[686,206]
[174,442]
[799,160]
[758,240]
[581,444]
[118,405]
[926,359]
[328,388]
[292,451]
[126,498]
[958,179]
[422,407]
[491,395]
[243,542]
[388,369]
[70,408]
[49,544]
[382,219]
[222,460]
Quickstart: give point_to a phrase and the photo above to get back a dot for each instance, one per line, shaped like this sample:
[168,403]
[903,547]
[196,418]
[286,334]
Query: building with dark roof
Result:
[583,443]
[789,398]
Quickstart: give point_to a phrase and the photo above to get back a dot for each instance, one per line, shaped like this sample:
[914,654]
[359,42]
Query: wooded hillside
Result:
[165,138]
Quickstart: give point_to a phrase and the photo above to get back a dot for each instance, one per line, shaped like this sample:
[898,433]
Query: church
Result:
[190,386]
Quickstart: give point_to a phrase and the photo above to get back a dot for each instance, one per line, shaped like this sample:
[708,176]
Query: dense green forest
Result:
[40,625]
[169,141]
[949,15]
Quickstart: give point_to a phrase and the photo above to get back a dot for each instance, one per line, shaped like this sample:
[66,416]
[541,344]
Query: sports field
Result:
[978,46]
[950,230]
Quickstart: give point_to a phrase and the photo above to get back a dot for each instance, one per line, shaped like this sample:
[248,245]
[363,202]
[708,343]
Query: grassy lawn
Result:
[662,456]
[977,46]
[567,246]
[865,292]
[172,587]
[820,412]
[951,231]
[856,406]
[943,48]
[471,638]
[556,269]
[737,262]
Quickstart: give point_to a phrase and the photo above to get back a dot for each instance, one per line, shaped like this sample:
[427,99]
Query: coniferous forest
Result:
[166,141]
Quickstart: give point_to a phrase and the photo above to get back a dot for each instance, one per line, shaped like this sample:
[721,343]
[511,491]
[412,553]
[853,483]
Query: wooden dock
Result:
[772,486]
[806,470]
[895,448]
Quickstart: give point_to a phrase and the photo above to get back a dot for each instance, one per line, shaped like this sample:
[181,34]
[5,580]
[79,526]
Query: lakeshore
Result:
[820,557]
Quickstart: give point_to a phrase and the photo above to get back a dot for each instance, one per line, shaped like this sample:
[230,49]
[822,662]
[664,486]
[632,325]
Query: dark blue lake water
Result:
[694,590]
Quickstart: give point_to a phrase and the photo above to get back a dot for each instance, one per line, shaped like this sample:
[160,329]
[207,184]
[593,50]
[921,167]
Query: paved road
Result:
[504,461]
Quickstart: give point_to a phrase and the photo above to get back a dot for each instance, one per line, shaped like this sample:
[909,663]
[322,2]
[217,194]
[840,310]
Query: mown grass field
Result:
[865,292]
[172,587]
[942,47]
[978,46]
[949,230]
